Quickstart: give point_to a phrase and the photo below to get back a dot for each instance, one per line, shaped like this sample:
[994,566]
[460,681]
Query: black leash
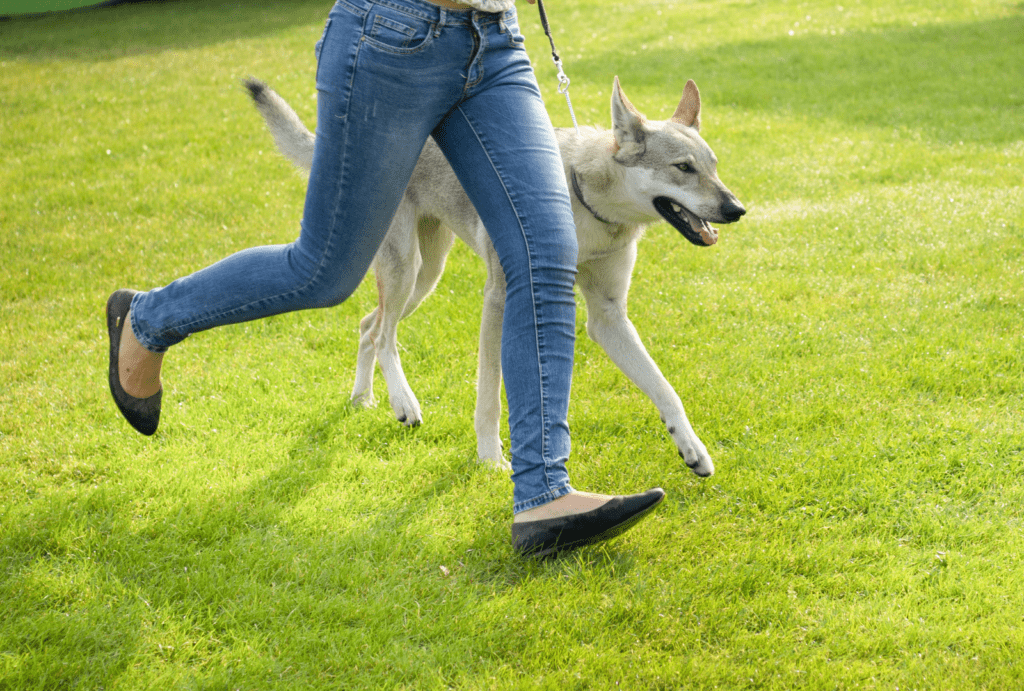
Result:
[563,79]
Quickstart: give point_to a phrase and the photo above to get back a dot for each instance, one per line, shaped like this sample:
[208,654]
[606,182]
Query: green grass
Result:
[851,353]
[10,8]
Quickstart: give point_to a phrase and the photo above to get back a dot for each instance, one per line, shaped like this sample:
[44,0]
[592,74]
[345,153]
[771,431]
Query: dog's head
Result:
[671,169]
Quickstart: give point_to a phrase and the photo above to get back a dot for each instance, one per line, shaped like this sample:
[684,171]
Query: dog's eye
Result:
[686,168]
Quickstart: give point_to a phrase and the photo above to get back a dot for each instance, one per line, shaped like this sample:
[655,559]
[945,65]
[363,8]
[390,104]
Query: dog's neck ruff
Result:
[579,195]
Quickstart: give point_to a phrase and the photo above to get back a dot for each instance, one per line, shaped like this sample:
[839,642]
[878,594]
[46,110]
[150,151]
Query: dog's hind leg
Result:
[435,242]
[369,327]
[396,267]
[422,259]
[605,284]
[488,383]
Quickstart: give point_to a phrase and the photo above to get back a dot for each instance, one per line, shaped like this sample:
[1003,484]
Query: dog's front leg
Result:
[488,381]
[605,284]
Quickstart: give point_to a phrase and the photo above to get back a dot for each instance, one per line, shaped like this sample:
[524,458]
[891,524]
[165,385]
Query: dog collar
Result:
[579,195]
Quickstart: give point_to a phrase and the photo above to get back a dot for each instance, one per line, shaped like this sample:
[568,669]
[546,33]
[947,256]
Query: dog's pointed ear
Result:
[628,126]
[688,111]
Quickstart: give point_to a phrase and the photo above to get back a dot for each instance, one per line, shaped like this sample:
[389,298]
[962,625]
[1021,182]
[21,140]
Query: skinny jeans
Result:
[391,73]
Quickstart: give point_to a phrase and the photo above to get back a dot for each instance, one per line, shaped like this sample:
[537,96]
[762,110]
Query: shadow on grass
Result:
[99,577]
[953,82]
[109,32]
[29,8]
[226,564]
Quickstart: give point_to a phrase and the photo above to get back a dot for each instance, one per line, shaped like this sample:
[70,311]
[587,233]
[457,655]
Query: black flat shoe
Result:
[549,536]
[142,413]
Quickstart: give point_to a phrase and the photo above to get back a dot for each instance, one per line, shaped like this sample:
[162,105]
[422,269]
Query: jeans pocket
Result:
[318,48]
[393,31]
[510,27]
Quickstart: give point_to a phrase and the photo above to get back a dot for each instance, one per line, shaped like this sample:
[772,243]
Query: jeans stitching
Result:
[380,22]
[533,300]
[410,11]
[354,9]
[481,36]
[376,44]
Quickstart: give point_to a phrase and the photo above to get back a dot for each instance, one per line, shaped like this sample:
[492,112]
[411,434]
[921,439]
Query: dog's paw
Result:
[693,453]
[407,410]
[488,451]
[499,464]
[700,465]
[363,400]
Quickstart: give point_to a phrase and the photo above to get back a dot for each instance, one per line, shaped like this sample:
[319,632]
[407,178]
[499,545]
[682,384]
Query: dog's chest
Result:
[599,240]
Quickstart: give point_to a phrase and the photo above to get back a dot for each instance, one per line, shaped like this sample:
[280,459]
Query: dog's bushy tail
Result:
[292,137]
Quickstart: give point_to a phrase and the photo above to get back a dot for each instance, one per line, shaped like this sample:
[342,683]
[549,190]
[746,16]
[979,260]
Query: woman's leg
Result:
[502,146]
[386,76]
[384,81]
[373,116]
[359,173]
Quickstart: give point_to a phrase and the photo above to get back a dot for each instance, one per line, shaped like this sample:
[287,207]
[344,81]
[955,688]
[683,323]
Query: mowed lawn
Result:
[850,353]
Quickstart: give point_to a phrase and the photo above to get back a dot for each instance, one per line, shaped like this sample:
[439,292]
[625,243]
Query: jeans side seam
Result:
[343,167]
[533,296]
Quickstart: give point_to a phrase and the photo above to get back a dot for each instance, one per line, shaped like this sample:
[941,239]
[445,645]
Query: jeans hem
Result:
[143,340]
[542,499]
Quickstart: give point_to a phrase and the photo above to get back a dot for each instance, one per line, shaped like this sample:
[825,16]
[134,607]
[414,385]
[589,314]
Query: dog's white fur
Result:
[619,174]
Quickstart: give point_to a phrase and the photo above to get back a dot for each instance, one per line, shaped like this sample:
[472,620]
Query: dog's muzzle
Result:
[690,225]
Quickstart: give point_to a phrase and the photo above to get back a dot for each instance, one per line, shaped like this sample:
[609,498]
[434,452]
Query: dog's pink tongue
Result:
[708,234]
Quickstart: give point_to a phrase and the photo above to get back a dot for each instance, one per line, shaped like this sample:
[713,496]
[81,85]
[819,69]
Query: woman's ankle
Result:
[566,505]
[138,368]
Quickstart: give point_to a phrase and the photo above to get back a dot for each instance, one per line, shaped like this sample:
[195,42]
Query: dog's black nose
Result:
[732,210]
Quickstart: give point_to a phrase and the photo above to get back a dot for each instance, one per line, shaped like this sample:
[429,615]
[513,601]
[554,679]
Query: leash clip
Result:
[563,79]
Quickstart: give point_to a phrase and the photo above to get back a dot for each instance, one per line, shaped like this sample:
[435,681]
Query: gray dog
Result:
[621,181]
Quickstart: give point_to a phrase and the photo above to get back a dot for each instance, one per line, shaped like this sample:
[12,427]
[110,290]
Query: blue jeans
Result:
[389,75]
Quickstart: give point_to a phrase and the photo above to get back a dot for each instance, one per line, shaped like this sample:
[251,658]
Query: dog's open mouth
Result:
[693,228]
